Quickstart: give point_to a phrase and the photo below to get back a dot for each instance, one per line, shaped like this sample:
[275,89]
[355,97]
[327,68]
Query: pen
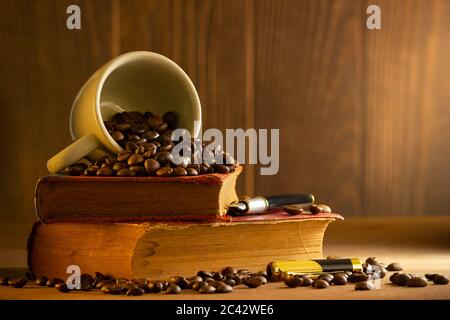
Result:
[260,204]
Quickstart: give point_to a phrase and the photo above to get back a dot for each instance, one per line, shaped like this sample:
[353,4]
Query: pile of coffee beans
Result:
[372,270]
[224,281]
[204,282]
[146,140]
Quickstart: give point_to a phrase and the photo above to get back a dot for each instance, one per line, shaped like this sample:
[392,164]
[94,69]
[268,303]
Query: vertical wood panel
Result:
[208,40]
[308,84]
[43,65]
[407,121]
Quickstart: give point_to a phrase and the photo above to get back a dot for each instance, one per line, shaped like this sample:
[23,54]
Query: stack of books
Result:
[153,228]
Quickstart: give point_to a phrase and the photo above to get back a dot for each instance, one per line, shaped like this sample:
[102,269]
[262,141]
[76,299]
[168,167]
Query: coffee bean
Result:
[150,135]
[195,278]
[52,282]
[394,267]
[86,281]
[118,166]
[417,282]
[314,209]
[293,209]
[204,274]
[124,155]
[207,290]
[320,284]
[191,172]
[217,276]
[393,277]
[339,280]
[254,281]
[106,287]
[135,160]
[163,157]
[327,277]
[178,171]
[402,279]
[307,281]
[324,208]
[154,121]
[216,283]
[155,286]
[164,172]
[138,170]
[293,281]
[358,277]
[106,171]
[173,289]
[140,128]
[224,288]
[365,285]
[41,281]
[131,146]
[62,287]
[122,127]
[230,282]
[4,280]
[17,282]
[221,168]
[103,283]
[151,165]
[135,292]
[126,173]
[171,118]
[117,136]
[117,289]
[74,171]
[229,271]
[440,279]
[198,285]
[430,276]
[372,260]
[180,281]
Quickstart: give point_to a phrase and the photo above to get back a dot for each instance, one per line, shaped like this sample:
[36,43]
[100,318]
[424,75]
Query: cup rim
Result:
[122,59]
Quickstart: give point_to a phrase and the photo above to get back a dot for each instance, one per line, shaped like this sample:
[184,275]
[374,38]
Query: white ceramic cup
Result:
[135,81]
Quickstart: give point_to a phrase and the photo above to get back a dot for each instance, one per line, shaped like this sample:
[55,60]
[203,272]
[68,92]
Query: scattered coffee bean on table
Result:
[402,278]
[394,267]
[18,282]
[41,281]
[293,281]
[430,276]
[339,280]
[135,292]
[4,281]
[364,285]
[62,287]
[173,289]
[307,281]
[254,281]
[320,284]
[417,282]
[440,279]
[207,290]
[224,288]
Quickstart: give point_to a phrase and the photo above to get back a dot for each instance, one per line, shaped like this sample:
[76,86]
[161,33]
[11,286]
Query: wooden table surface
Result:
[420,244]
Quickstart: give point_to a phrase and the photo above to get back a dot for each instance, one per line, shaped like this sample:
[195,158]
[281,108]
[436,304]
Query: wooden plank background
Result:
[364,116]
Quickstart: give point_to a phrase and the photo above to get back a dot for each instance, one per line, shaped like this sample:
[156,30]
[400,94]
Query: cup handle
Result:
[74,152]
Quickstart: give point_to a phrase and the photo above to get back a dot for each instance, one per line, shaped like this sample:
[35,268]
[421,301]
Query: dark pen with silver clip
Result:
[261,205]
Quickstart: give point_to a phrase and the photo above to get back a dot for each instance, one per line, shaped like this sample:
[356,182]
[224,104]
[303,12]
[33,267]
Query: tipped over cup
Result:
[135,81]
